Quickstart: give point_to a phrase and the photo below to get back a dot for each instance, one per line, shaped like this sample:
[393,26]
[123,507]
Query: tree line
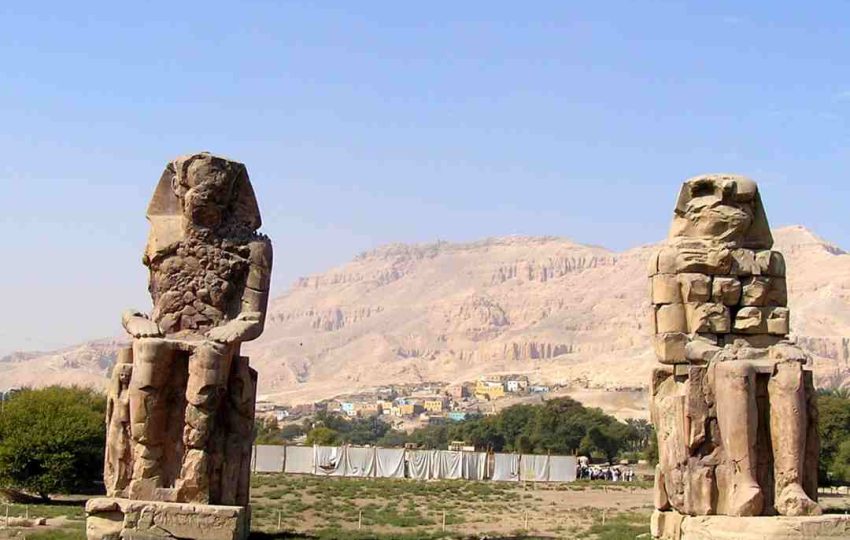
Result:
[52,440]
[558,426]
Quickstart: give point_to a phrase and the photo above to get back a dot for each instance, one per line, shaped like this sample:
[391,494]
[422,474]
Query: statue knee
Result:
[149,349]
[787,376]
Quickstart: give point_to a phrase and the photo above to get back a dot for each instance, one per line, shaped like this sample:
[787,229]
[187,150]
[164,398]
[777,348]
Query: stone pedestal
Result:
[125,519]
[672,525]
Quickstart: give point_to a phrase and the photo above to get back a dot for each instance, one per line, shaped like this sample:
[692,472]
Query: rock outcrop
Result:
[442,317]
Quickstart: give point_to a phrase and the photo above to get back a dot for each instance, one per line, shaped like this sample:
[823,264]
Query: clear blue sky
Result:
[364,123]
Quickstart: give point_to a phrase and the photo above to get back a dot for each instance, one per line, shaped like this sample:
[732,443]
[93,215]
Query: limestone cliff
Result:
[548,307]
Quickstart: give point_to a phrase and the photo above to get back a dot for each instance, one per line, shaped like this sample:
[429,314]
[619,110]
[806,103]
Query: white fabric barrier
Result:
[447,465]
[330,461]
[361,462]
[562,468]
[299,460]
[268,458]
[390,462]
[420,464]
[474,465]
[506,468]
[534,468]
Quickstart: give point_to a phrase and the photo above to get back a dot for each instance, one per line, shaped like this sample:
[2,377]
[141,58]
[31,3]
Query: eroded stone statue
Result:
[181,411]
[733,404]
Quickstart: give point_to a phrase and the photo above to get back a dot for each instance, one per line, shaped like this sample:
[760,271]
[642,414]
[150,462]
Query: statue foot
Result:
[747,500]
[793,501]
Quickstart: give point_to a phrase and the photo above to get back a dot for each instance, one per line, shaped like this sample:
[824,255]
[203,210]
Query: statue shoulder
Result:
[261,251]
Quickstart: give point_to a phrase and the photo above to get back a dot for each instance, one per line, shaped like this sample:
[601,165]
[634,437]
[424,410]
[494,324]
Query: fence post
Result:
[360,520]
[278,520]
[526,519]
[444,521]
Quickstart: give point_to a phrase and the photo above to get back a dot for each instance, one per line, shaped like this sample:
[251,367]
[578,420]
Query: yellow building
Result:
[435,405]
[486,389]
[408,409]
[368,409]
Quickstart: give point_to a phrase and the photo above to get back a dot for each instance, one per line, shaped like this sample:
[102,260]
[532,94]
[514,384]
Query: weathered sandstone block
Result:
[114,519]
[726,291]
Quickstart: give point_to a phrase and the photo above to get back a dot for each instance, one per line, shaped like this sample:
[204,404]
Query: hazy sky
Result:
[364,123]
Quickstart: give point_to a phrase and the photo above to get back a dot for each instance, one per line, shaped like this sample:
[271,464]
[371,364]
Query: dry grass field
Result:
[382,509]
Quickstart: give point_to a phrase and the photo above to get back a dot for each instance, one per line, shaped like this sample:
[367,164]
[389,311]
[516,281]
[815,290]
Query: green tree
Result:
[290,432]
[267,432]
[323,436]
[834,429]
[840,468]
[52,440]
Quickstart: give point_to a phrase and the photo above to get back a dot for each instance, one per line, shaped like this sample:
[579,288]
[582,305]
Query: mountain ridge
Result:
[549,307]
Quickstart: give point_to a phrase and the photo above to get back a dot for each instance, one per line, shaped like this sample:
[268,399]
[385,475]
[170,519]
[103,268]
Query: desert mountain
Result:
[547,307]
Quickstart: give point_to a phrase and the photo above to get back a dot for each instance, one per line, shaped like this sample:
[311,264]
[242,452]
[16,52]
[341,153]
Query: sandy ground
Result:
[390,507]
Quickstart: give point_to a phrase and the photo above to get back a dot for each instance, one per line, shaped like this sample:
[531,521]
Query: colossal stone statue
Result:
[181,404]
[733,402]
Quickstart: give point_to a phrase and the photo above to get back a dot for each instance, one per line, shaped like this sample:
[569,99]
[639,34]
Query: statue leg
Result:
[788,426]
[209,366]
[737,417]
[152,361]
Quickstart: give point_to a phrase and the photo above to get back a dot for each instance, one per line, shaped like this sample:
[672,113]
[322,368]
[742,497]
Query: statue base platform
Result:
[672,525]
[125,519]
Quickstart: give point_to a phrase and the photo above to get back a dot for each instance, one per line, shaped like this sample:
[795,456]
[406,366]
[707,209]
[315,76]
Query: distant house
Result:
[516,383]
[538,389]
[348,408]
[432,419]
[458,391]
[434,405]
[461,446]
[367,409]
[281,414]
[489,389]
[385,406]
[409,409]
[457,416]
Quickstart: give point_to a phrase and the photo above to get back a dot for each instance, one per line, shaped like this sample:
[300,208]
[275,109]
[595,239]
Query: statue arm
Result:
[139,325]
[250,321]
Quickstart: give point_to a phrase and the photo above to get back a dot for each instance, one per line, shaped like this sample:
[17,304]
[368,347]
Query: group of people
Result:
[615,473]
[612,474]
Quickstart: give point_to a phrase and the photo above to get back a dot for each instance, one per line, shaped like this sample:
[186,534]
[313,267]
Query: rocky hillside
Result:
[548,307]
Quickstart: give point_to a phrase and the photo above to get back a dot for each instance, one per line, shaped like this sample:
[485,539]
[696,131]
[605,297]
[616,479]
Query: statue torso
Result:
[197,285]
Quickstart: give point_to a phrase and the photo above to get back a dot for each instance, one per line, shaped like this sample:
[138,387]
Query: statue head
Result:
[201,193]
[724,208]
[125,371]
[204,184]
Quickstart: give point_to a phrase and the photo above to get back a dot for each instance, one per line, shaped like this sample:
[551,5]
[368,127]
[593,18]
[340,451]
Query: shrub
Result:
[52,440]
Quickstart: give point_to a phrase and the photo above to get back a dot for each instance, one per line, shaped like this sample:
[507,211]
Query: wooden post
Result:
[604,515]
[278,520]
[526,519]
[444,521]
[360,520]
[28,511]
